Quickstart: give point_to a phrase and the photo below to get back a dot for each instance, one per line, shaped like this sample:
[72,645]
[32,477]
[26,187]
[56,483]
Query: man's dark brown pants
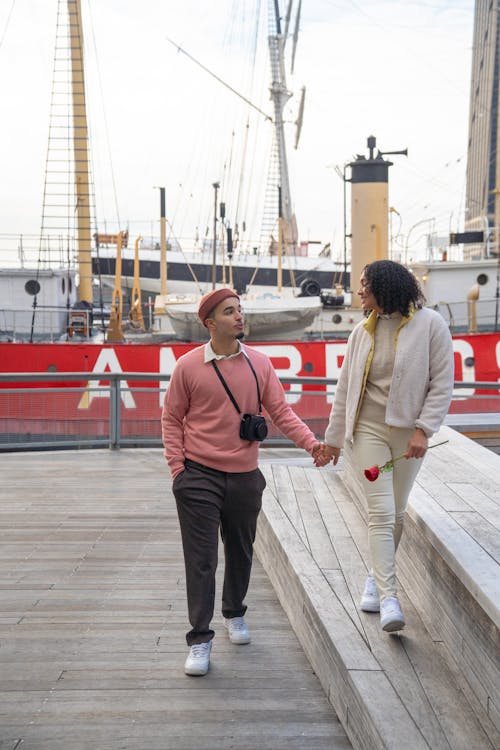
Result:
[207,500]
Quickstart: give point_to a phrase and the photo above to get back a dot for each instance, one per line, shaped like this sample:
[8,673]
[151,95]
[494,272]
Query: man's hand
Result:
[417,444]
[323,454]
[318,453]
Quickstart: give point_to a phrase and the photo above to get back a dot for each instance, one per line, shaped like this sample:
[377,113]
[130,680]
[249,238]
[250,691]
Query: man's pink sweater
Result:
[199,421]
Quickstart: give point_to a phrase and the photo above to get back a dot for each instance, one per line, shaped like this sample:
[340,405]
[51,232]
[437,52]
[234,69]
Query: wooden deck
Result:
[93,617]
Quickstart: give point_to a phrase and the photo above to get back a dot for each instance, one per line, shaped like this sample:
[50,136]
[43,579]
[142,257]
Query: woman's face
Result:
[368,301]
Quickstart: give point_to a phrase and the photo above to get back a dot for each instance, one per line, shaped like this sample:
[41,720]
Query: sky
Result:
[397,70]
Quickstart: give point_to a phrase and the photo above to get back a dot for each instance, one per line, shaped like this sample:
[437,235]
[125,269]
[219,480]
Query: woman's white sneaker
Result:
[370,600]
[237,630]
[391,616]
[198,659]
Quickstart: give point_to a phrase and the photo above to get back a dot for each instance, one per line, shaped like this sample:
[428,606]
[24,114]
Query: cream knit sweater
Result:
[422,379]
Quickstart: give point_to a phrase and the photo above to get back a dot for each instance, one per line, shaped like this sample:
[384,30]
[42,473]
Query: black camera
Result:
[253,427]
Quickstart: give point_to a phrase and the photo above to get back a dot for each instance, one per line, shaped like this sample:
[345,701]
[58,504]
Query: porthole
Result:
[469,361]
[308,367]
[482,279]
[337,319]
[32,287]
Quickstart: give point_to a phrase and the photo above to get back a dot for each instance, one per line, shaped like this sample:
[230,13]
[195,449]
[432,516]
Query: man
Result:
[214,467]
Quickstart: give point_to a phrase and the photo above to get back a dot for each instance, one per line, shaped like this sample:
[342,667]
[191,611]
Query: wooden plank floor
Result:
[332,529]
[93,616]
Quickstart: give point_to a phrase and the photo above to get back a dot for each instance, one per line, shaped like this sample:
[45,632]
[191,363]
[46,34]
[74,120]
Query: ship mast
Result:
[80,151]
[280,95]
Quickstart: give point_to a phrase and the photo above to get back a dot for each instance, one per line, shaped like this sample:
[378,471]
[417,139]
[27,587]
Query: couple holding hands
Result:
[393,393]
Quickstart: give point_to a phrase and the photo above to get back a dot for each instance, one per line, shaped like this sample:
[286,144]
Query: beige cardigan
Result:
[422,379]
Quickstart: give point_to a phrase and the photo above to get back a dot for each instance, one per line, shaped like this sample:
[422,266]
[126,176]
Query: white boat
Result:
[264,317]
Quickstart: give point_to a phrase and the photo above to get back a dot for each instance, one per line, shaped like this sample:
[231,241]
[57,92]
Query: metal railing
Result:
[113,410]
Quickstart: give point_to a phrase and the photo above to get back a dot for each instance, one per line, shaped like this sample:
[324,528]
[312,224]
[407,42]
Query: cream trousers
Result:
[386,497]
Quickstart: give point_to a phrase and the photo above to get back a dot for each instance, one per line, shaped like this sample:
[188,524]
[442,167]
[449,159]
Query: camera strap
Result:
[226,387]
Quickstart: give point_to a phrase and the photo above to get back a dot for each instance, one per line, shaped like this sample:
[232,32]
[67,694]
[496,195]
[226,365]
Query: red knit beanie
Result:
[210,301]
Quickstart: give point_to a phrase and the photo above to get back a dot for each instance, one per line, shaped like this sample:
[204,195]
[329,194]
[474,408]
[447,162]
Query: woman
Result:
[393,393]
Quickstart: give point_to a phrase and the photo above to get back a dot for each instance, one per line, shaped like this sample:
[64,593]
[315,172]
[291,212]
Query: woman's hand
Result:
[417,444]
[330,453]
[323,454]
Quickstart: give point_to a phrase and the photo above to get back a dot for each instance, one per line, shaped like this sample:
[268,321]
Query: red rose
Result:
[372,473]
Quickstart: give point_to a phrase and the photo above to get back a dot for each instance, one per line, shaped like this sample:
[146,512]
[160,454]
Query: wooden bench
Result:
[436,684]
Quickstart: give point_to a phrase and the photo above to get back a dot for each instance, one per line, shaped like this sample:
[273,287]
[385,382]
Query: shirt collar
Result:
[209,354]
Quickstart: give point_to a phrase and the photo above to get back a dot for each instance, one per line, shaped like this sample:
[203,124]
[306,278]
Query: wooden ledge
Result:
[449,560]
[439,680]
[355,684]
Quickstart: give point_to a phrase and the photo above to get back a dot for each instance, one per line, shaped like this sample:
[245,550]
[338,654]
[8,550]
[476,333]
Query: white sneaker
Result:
[237,630]
[198,659]
[370,600]
[391,617]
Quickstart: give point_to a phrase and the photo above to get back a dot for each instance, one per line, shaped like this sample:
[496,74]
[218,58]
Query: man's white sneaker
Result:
[237,630]
[391,617]
[370,600]
[198,659]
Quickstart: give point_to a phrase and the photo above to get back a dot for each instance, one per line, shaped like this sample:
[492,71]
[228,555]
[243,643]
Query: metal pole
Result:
[345,231]
[486,239]
[279,279]
[114,412]
[497,293]
[215,186]
[163,244]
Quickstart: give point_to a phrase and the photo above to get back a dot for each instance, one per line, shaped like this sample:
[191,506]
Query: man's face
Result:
[227,319]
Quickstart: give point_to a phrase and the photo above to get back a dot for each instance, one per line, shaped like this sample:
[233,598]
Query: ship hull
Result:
[189,275]
[477,359]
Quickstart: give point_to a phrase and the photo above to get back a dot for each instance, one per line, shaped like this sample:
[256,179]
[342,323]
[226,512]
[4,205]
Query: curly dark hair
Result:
[394,287]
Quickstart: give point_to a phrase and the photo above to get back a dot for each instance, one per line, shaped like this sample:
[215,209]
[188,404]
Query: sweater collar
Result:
[371,322]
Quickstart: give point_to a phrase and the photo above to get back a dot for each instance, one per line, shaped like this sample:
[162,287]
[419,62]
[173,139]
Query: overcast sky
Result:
[397,70]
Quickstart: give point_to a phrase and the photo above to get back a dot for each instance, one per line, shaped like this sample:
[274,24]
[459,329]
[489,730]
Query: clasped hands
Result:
[323,454]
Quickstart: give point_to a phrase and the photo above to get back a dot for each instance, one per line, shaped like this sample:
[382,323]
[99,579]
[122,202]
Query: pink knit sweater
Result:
[200,422]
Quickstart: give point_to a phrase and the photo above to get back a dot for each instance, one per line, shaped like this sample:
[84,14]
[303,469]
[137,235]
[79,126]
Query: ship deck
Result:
[93,611]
